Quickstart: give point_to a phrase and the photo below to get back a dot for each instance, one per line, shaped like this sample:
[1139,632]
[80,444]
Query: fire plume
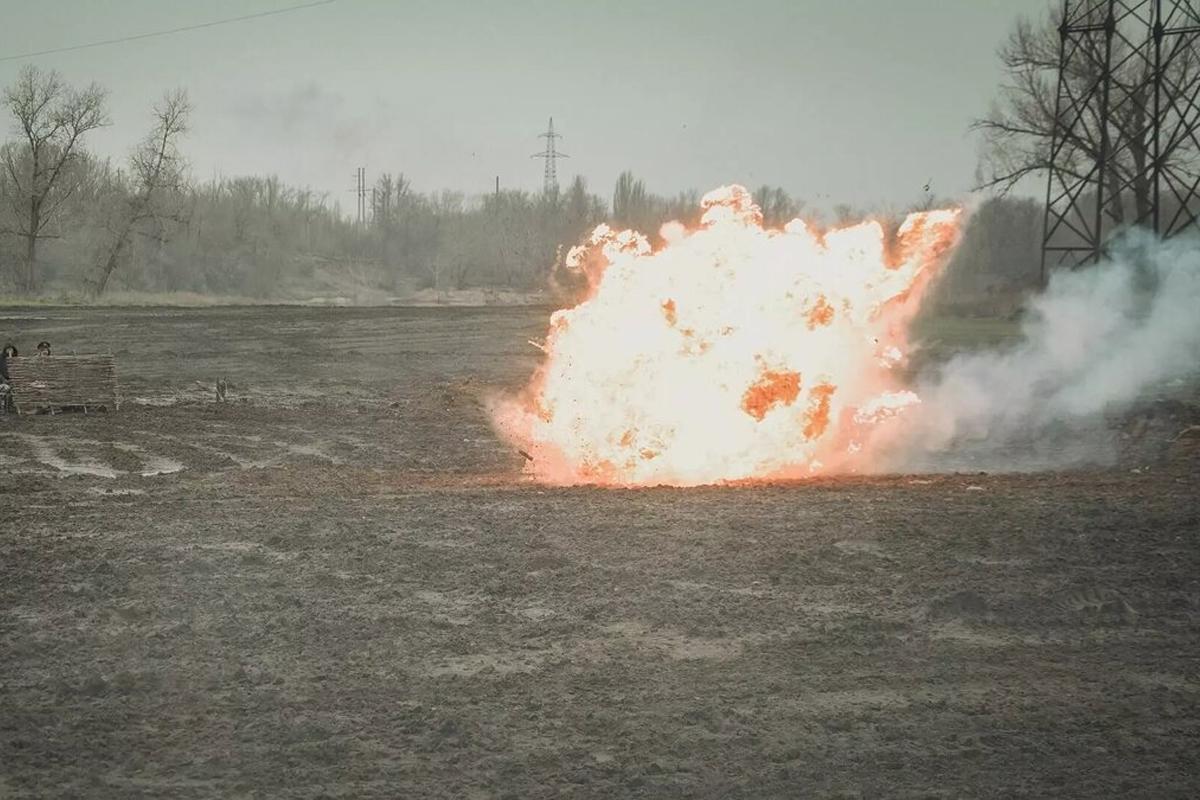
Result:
[730,353]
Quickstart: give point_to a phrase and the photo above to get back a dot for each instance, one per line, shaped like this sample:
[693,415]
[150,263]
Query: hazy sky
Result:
[858,101]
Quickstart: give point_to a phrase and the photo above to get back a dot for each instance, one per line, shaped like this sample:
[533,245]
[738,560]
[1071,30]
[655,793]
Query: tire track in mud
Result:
[68,455]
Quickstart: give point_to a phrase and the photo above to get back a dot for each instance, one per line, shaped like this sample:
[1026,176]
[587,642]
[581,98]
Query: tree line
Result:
[72,221]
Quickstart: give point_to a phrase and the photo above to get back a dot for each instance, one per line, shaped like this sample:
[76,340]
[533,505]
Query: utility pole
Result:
[550,155]
[360,194]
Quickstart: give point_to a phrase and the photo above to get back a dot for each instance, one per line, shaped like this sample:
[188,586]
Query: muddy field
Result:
[339,585]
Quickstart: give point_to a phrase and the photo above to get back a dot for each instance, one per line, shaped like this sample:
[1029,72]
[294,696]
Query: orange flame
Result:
[731,353]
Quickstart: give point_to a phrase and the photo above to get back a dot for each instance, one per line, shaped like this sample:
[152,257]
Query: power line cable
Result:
[198,26]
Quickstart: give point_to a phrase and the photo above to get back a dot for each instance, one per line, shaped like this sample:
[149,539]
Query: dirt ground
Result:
[339,585]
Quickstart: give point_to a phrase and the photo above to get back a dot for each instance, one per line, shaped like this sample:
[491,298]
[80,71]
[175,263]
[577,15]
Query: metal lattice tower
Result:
[1125,148]
[550,154]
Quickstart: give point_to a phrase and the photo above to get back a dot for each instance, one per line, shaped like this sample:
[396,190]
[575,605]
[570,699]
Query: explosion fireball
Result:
[731,353]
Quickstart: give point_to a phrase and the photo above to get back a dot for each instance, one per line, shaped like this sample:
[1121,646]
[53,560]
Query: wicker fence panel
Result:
[54,382]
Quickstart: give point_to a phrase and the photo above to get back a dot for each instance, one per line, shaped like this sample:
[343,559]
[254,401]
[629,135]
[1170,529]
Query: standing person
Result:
[10,351]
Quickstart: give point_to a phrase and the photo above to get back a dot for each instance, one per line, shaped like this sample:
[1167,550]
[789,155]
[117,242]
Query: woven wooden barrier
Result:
[52,383]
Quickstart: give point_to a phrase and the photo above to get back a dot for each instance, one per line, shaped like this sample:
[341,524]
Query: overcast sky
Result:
[858,101]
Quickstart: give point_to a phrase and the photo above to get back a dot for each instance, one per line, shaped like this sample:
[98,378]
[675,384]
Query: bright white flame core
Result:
[731,353]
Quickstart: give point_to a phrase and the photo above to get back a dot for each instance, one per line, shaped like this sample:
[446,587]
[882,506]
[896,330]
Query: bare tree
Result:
[1019,129]
[846,214]
[51,118]
[158,171]
[632,205]
[777,206]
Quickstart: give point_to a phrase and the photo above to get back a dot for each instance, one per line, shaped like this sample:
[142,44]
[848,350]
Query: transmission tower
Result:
[550,154]
[1125,148]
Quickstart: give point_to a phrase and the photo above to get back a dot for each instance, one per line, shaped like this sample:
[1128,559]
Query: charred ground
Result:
[339,585]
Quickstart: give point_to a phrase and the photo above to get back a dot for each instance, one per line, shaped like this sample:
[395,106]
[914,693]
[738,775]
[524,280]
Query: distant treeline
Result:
[74,223]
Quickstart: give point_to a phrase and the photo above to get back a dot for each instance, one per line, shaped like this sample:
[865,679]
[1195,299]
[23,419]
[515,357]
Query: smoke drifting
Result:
[1098,341]
[735,352]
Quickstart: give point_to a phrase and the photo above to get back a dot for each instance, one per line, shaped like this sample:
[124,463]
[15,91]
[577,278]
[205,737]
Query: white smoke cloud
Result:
[1098,341]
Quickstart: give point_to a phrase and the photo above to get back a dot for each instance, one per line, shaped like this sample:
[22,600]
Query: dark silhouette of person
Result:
[10,351]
